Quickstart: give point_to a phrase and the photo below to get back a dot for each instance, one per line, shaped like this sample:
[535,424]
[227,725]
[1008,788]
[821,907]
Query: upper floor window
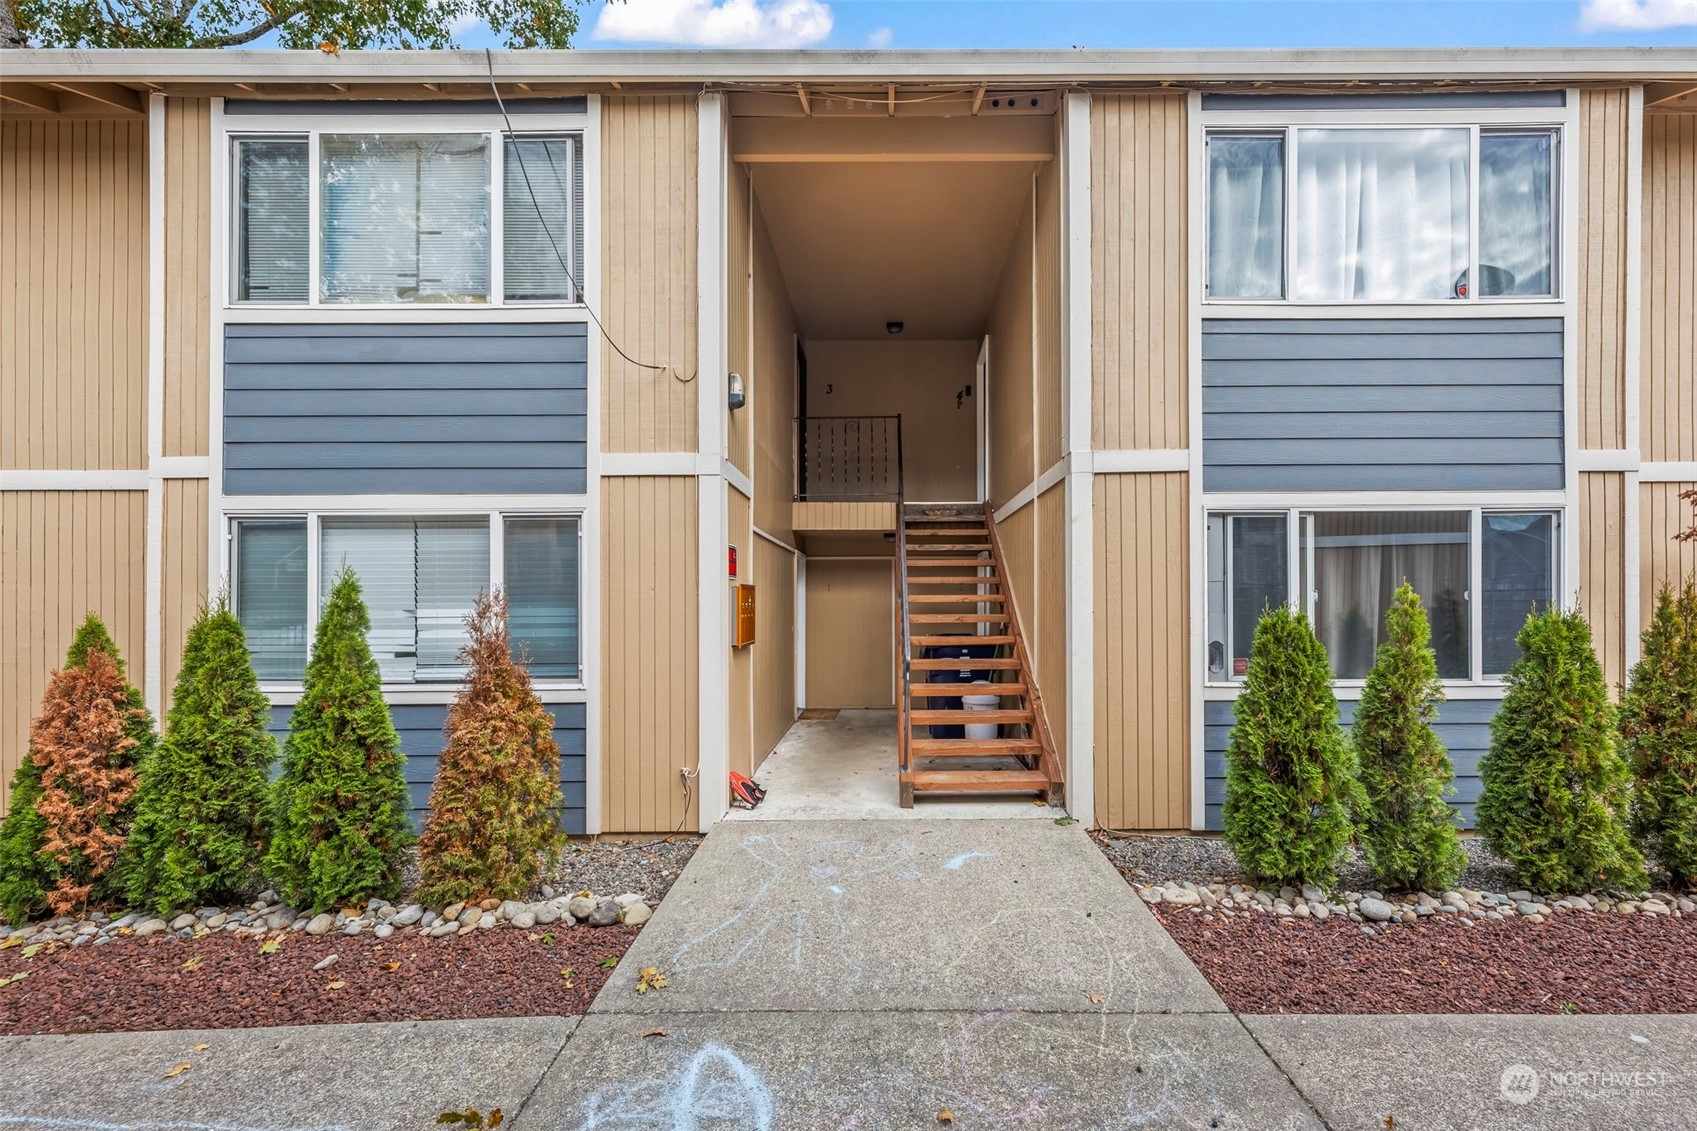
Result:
[1392,214]
[466,217]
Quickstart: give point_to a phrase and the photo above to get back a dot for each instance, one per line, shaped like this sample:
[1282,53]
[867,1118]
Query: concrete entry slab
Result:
[1501,1073]
[872,1071]
[396,1076]
[845,769]
[895,915]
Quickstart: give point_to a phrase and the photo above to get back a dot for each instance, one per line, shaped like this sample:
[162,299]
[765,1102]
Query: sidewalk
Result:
[871,975]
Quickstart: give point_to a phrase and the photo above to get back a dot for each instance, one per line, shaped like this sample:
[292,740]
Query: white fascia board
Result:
[1449,65]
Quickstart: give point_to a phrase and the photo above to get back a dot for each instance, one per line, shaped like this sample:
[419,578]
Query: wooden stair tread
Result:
[977,781]
[912,529]
[949,580]
[983,747]
[950,664]
[939,547]
[948,563]
[960,618]
[962,638]
[956,599]
[955,718]
[956,690]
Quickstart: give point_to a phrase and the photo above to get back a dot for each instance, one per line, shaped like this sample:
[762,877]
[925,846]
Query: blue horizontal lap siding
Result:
[1463,726]
[420,728]
[1378,404]
[492,408]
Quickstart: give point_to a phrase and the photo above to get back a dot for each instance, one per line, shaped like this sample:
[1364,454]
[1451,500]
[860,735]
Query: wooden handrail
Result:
[1048,759]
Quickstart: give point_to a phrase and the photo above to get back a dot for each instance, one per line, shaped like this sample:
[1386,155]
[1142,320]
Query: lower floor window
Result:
[419,577]
[1341,567]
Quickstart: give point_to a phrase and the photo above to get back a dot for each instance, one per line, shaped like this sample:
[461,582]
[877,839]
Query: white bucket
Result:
[981,703]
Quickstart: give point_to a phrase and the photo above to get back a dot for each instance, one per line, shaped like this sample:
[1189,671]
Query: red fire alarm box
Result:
[731,563]
[743,635]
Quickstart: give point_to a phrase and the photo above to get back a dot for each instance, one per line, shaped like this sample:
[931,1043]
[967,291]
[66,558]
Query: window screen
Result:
[272,187]
[405,217]
[1518,578]
[540,219]
[542,594]
[270,595]
[1516,233]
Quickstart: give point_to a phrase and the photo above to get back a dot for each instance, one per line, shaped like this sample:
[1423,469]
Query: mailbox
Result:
[744,634]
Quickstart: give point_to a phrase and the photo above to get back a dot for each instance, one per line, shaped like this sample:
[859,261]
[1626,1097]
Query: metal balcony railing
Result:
[848,458]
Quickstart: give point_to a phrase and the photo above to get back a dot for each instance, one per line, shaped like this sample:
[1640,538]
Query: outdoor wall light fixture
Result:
[734,392]
[893,327]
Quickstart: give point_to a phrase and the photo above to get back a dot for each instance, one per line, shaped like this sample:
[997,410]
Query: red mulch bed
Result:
[1574,963]
[132,984]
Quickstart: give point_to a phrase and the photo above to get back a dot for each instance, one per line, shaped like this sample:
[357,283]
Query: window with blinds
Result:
[542,241]
[272,186]
[542,594]
[270,594]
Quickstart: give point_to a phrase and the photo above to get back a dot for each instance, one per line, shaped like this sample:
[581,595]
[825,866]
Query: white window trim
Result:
[1286,123]
[1476,504]
[312,509]
[229,131]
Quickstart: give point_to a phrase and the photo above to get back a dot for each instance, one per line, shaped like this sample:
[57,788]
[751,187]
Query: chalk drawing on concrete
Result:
[715,1091]
[76,1123]
[960,861]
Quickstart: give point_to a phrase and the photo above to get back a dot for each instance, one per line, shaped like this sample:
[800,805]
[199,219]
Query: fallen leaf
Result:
[1064,821]
[609,962]
[654,1033]
[193,963]
[15,940]
[568,974]
[651,978]
[32,950]
[496,1118]
[179,1070]
[945,1116]
[547,940]
[336,985]
[396,965]
[1094,997]
[18,977]
[1406,970]
[1390,1123]
[270,946]
[201,1048]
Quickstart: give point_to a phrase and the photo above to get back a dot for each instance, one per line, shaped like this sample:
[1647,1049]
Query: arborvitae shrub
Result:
[1658,725]
[1290,779]
[201,805]
[1406,830]
[1556,791]
[339,822]
[494,821]
[28,872]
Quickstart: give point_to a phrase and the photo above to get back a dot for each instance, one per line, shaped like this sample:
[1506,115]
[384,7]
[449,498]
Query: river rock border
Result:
[381,919]
[1375,911]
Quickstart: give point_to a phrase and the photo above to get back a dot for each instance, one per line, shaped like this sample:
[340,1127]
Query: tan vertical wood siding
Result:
[64,554]
[1602,268]
[1018,534]
[1143,685]
[1048,636]
[184,587]
[1012,324]
[1668,420]
[73,294]
[650,693]
[1602,567]
[648,247]
[773,390]
[851,629]
[188,275]
[1662,561]
[1139,213]
[1050,318]
[774,646]
[739,662]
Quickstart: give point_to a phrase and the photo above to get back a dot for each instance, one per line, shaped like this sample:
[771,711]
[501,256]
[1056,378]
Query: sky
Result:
[1129,23]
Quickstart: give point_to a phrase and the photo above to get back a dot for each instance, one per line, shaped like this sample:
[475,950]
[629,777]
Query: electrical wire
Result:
[547,230]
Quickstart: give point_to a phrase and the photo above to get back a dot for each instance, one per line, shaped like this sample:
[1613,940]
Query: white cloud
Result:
[879,37]
[464,22]
[716,23]
[1637,15]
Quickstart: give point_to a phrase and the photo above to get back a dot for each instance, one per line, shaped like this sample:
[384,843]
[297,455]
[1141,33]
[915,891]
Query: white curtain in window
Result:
[405,217]
[1246,216]
[1381,214]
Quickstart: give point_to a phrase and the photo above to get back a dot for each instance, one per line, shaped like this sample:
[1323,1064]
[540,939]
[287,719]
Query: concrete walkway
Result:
[870,975]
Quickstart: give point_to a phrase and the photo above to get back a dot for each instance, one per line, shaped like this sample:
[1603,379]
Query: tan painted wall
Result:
[918,380]
[739,310]
[1602,566]
[648,219]
[1050,320]
[64,554]
[1018,536]
[650,692]
[772,390]
[1668,374]
[774,646]
[1139,213]
[1602,268]
[850,632]
[188,275]
[183,577]
[1047,634]
[73,294]
[1661,514]
[739,662]
[1012,326]
[843,516]
[1143,684]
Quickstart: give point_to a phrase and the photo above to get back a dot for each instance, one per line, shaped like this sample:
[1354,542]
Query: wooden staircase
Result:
[953,590]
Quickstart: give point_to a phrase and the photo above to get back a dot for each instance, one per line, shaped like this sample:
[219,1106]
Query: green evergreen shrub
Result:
[27,872]
[494,809]
[1555,789]
[1406,830]
[1658,725]
[339,819]
[201,806]
[1290,778]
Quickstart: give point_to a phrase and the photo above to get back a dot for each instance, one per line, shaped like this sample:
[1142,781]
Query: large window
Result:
[465,217]
[1381,214]
[419,577]
[1347,564]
